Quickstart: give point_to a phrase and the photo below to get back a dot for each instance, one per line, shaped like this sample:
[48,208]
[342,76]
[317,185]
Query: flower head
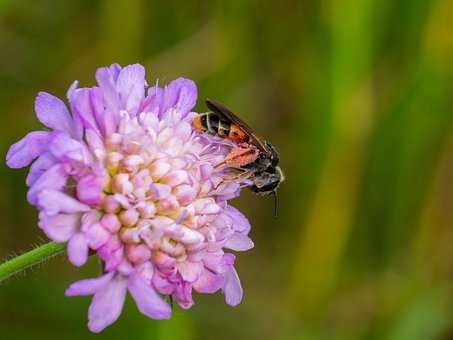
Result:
[123,174]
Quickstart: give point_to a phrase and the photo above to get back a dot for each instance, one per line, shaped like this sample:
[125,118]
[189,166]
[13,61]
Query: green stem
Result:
[30,258]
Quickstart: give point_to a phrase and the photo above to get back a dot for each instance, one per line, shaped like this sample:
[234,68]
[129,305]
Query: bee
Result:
[254,158]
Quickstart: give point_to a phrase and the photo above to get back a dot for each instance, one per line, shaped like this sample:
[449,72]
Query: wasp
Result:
[254,158]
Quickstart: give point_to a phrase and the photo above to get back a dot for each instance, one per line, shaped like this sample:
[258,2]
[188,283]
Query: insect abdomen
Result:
[209,122]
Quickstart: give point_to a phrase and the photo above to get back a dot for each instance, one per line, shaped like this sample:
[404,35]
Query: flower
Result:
[123,175]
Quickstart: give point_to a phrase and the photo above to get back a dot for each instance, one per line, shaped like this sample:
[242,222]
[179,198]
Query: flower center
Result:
[150,201]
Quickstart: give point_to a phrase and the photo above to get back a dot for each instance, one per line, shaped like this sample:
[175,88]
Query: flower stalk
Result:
[29,259]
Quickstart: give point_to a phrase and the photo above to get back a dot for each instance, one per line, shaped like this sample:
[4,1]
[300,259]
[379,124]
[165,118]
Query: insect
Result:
[254,158]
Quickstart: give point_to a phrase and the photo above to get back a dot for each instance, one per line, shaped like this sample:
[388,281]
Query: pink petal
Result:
[63,147]
[232,289]
[107,304]
[59,228]
[180,94]
[208,282]
[239,242]
[162,284]
[105,121]
[187,94]
[27,149]
[97,235]
[82,107]
[72,89]
[89,189]
[44,162]
[153,100]
[54,202]
[78,250]
[106,78]
[52,179]
[53,113]
[131,87]
[240,222]
[183,295]
[89,286]
[147,300]
[190,271]
[95,144]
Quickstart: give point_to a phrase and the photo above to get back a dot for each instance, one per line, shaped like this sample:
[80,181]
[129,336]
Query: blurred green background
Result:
[358,98]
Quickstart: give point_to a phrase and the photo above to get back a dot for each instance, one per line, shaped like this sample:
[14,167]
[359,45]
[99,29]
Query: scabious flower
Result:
[123,175]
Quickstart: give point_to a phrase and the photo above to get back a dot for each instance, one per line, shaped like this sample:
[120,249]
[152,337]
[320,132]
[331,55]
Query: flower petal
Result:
[78,250]
[63,147]
[54,202]
[41,165]
[208,282]
[239,242]
[107,304]
[240,222]
[89,189]
[89,286]
[180,94]
[190,271]
[54,178]
[131,87]
[23,152]
[147,299]
[186,95]
[53,113]
[82,107]
[59,228]
[232,289]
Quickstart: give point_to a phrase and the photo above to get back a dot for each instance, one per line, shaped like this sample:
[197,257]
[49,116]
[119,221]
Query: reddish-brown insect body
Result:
[237,135]
[254,158]
[241,156]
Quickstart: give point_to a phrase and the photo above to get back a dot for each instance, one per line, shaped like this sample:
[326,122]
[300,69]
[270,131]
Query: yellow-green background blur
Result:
[358,98]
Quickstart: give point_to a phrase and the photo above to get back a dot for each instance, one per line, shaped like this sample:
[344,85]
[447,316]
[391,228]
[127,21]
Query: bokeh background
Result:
[358,97]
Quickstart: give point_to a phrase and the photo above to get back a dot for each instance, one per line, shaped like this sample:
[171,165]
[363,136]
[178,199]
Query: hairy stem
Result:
[30,259]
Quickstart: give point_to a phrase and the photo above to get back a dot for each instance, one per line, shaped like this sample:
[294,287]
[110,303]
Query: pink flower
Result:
[123,174]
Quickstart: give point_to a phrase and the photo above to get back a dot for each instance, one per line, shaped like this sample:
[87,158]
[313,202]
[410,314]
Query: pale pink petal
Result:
[180,94]
[82,108]
[96,235]
[95,144]
[63,147]
[208,282]
[89,286]
[54,178]
[54,202]
[147,300]
[27,149]
[105,121]
[89,189]
[59,228]
[106,79]
[53,113]
[187,94]
[190,271]
[107,304]
[240,222]
[232,290]
[78,250]
[131,87]
[41,165]
[239,242]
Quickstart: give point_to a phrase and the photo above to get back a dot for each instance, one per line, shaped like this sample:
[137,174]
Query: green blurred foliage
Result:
[356,95]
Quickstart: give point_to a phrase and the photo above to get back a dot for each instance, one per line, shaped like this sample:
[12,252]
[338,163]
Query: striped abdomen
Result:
[211,123]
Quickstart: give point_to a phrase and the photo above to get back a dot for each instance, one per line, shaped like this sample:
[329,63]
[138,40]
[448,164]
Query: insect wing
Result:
[221,110]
